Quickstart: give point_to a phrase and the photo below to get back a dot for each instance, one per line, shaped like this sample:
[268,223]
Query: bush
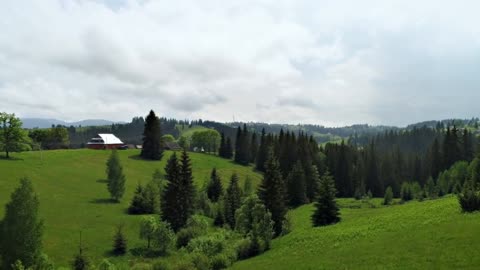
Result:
[388,196]
[209,245]
[406,193]
[201,261]
[184,236]
[160,266]
[80,262]
[469,199]
[220,261]
[119,242]
[244,249]
[106,265]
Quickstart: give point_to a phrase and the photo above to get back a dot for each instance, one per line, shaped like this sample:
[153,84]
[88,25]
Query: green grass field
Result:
[417,235]
[74,198]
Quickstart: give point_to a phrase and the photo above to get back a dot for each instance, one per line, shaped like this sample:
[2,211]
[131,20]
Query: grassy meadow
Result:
[432,234]
[74,197]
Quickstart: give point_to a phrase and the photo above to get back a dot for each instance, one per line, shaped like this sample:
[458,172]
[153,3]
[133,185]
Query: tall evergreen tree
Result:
[152,138]
[238,146]
[222,149]
[21,228]
[233,200]
[119,242]
[262,152]
[172,205]
[468,150]
[296,186]
[214,189]
[272,191]
[326,209]
[187,194]
[312,181]
[253,148]
[228,148]
[435,159]
[115,177]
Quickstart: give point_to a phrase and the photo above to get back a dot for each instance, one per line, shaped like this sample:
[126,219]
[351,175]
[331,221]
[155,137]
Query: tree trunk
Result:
[7,154]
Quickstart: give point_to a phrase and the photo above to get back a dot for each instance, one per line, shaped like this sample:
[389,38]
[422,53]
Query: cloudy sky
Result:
[284,61]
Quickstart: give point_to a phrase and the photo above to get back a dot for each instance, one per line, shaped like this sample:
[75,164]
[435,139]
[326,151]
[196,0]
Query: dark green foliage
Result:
[262,152]
[254,222]
[388,196]
[225,150]
[80,261]
[242,146]
[406,193]
[137,206]
[152,138]
[326,209]
[233,197]
[469,198]
[431,190]
[21,228]
[196,226]
[253,148]
[214,189]
[296,186]
[115,177]
[247,187]
[179,195]
[312,180]
[119,242]
[272,192]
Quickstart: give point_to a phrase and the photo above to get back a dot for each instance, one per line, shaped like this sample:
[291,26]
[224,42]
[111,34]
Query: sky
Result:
[279,61]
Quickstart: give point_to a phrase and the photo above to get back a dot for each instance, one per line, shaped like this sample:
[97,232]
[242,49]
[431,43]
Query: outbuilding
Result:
[105,141]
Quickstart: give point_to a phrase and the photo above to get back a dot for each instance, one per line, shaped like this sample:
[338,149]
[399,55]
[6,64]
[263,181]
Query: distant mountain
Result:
[46,123]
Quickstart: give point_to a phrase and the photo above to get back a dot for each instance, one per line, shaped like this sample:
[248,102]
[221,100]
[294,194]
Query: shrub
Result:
[406,192]
[209,245]
[244,249]
[160,266]
[80,262]
[184,236]
[469,199]
[119,242]
[201,261]
[387,200]
[44,263]
[220,261]
[106,265]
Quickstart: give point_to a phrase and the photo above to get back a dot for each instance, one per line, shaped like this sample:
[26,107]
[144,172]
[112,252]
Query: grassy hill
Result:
[73,195]
[417,235]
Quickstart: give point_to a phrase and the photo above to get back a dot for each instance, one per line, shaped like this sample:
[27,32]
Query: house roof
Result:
[108,138]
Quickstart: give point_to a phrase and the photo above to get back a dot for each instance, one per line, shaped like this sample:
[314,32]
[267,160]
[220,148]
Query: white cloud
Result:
[327,62]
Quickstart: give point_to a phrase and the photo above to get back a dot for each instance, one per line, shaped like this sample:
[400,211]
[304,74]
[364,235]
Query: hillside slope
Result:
[417,235]
[73,195]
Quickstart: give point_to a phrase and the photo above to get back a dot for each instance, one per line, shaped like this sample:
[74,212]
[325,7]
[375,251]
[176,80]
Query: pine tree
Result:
[326,209]
[137,205]
[222,149]
[115,177]
[296,186]
[467,145]
[152,138]
[80,261]
[388,196]
[238,146]
[253,148]
[262,153]
[233,197]
[119,242]
[21,228]
[228,148]
[171,196]
[272,191]
[188,188]
[312,182]
[214,189]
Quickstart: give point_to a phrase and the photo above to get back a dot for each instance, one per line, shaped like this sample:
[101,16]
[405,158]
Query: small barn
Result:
[105,141]
[172,146]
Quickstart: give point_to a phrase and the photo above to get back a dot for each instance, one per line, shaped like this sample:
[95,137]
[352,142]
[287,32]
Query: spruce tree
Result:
[388,196]
[188,188]
[21,228]
[253,148]
[171,195]
[296,186]
[119,242]
[222,149]
[214,189]
[326,209]
[272,191]
[312,182]
[233,197]
[228,148]
[238,146]
[152,147]
[137,205]
[262,152]
[115,177]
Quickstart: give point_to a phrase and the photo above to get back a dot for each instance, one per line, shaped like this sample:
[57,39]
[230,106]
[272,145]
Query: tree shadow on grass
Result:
[103,181]
[103,201]
[138,157]
[10,158]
